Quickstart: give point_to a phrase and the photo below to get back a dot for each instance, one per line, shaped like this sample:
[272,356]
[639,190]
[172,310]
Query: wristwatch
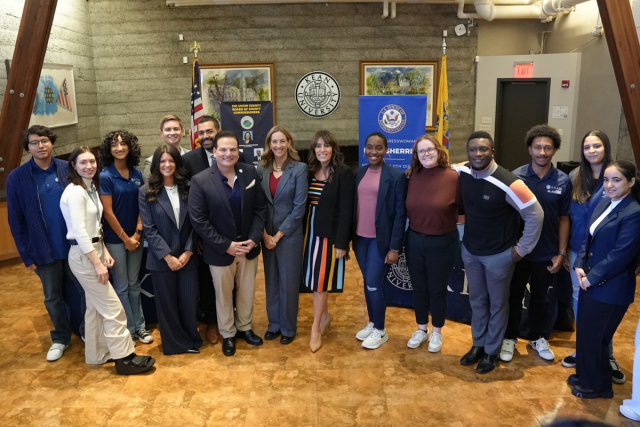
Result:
[562,253]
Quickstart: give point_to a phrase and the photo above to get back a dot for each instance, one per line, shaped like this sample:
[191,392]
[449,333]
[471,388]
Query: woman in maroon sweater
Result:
[432,240]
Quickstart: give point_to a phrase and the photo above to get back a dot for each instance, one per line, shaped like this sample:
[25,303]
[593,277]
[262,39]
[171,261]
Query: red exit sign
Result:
[523,70]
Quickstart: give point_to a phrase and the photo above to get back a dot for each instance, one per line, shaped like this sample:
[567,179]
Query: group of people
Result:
[206,216]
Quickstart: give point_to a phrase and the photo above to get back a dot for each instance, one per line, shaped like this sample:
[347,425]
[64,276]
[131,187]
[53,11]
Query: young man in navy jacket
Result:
[38,228]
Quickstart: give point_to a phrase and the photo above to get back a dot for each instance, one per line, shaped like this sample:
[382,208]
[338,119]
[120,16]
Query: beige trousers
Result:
[106,335]
[241,274]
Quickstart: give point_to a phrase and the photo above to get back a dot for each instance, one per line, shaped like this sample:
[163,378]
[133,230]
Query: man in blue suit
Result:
[227,210]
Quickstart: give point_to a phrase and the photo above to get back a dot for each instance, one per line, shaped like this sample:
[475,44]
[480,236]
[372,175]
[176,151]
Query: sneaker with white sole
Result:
[56,351]
[364,333]
[617,376]
[507,350]
[542,347]
[569,361]
[143,336]
[418,338]
[375,339]
[435,342]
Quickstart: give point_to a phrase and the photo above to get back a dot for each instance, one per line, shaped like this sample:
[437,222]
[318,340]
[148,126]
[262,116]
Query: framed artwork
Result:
[236,83]
[55,101]
[402,78]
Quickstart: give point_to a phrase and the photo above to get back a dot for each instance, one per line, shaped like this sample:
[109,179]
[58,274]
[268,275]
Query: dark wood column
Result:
[624,48]
[31,45]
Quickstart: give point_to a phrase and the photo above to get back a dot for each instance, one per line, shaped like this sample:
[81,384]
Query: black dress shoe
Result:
[487,363]
[229,346]
[249,337]
[472,356]
[134,364]
[271,335]
[286,340]
[573,380]
[587,393]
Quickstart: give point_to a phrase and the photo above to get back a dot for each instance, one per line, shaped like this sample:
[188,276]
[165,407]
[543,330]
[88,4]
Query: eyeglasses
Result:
[37,142]
[426,151]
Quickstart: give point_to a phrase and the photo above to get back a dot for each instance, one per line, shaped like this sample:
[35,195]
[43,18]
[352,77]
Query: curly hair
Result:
[336,156]
[156,180]
[133,158]
[543,131]
[443,157]
[268,157]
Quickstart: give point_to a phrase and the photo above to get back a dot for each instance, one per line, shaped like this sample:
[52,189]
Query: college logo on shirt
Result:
[136,181]
[554,189]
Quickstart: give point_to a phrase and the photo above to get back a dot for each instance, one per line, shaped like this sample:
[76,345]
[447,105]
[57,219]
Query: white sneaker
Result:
[418,338]
[364,333]
[143,336]
[542,347]
[507,350]
[628,411]
[435,342]
[56,351]
[375,339]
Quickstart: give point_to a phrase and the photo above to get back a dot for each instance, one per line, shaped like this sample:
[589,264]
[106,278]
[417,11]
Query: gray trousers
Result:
[489,278]
[282,277]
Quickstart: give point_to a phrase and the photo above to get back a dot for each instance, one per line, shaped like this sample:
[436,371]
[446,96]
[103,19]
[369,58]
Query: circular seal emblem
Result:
[247,122]
[317,94]
[392,118]
[398,274]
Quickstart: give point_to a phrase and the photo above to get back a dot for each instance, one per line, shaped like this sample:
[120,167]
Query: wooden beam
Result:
[624,48]
[28,57]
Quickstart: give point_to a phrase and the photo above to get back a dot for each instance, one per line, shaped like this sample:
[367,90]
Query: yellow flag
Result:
[442,111]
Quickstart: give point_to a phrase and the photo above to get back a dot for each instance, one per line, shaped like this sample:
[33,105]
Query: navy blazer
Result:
[608,256]
[285,211]
[391,213]
[161,233]
[212,217]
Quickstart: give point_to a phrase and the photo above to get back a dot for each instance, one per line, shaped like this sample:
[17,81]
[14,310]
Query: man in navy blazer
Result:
[227,210]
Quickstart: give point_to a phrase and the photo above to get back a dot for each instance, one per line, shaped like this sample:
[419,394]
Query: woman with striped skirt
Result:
[328,228]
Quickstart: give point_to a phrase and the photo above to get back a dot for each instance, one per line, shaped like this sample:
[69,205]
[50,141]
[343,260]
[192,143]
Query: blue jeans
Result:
[372,266]
[52,276]
[125,271]
[576,292]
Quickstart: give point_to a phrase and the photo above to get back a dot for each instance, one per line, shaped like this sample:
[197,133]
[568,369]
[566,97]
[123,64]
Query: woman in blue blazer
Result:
[605,269]
[284,183]
[164,212]
[379,219]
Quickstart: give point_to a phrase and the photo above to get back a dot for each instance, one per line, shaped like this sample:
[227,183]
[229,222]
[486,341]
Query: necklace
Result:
[276,168]
[170,188]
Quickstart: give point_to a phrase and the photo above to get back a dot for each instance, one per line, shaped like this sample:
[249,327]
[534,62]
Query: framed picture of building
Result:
[402,78]
[236,83]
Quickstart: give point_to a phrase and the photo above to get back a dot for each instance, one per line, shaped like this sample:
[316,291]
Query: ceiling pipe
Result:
[385,9]
[489,11]
[462,14]
[393,10]
[553,7]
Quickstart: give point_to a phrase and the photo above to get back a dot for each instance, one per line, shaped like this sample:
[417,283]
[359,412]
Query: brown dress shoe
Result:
[213,335]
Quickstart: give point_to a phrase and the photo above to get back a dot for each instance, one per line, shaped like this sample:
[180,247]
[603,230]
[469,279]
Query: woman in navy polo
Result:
[605,269]
[119,185]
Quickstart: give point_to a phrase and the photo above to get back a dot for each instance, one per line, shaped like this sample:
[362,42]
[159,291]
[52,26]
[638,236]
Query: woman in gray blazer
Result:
[284,182]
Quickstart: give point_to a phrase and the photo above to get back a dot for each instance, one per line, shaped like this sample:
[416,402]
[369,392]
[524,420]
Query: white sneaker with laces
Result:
[376,339]
[143,336]
[364,333]
[56,351]
[418,338]
[542,347]
[435,342]
[507,350]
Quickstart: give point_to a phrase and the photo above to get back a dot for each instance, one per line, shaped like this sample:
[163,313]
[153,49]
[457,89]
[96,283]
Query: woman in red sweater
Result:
[432,240]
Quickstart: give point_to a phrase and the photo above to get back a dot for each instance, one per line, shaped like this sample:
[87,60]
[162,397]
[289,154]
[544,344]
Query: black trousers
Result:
[539,279]
[207,304]
[430,260]
[597,322]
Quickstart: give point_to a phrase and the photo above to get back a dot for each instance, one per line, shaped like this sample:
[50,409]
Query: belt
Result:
[93,240]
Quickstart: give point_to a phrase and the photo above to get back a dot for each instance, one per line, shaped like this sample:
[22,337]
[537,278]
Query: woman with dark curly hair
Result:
[163,208]
[119,185]
[328,228]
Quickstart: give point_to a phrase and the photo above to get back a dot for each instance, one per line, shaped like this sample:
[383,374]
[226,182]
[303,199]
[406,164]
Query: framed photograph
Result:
[236,83]
[402,78]
[55,101]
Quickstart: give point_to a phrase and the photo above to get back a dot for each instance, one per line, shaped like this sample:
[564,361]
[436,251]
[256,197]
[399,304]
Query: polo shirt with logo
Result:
[124,196]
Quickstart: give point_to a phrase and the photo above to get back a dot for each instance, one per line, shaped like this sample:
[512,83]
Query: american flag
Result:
[197,111]
[63,96]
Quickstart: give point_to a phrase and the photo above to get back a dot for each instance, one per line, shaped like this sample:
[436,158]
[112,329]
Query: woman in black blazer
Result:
[605,269]
[328,228]
[164,212]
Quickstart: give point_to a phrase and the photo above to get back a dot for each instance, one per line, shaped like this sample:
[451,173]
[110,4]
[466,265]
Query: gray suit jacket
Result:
[146,170]
[285,211]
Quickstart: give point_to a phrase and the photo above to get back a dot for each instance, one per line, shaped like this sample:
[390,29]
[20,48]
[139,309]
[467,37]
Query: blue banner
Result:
[400,118]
